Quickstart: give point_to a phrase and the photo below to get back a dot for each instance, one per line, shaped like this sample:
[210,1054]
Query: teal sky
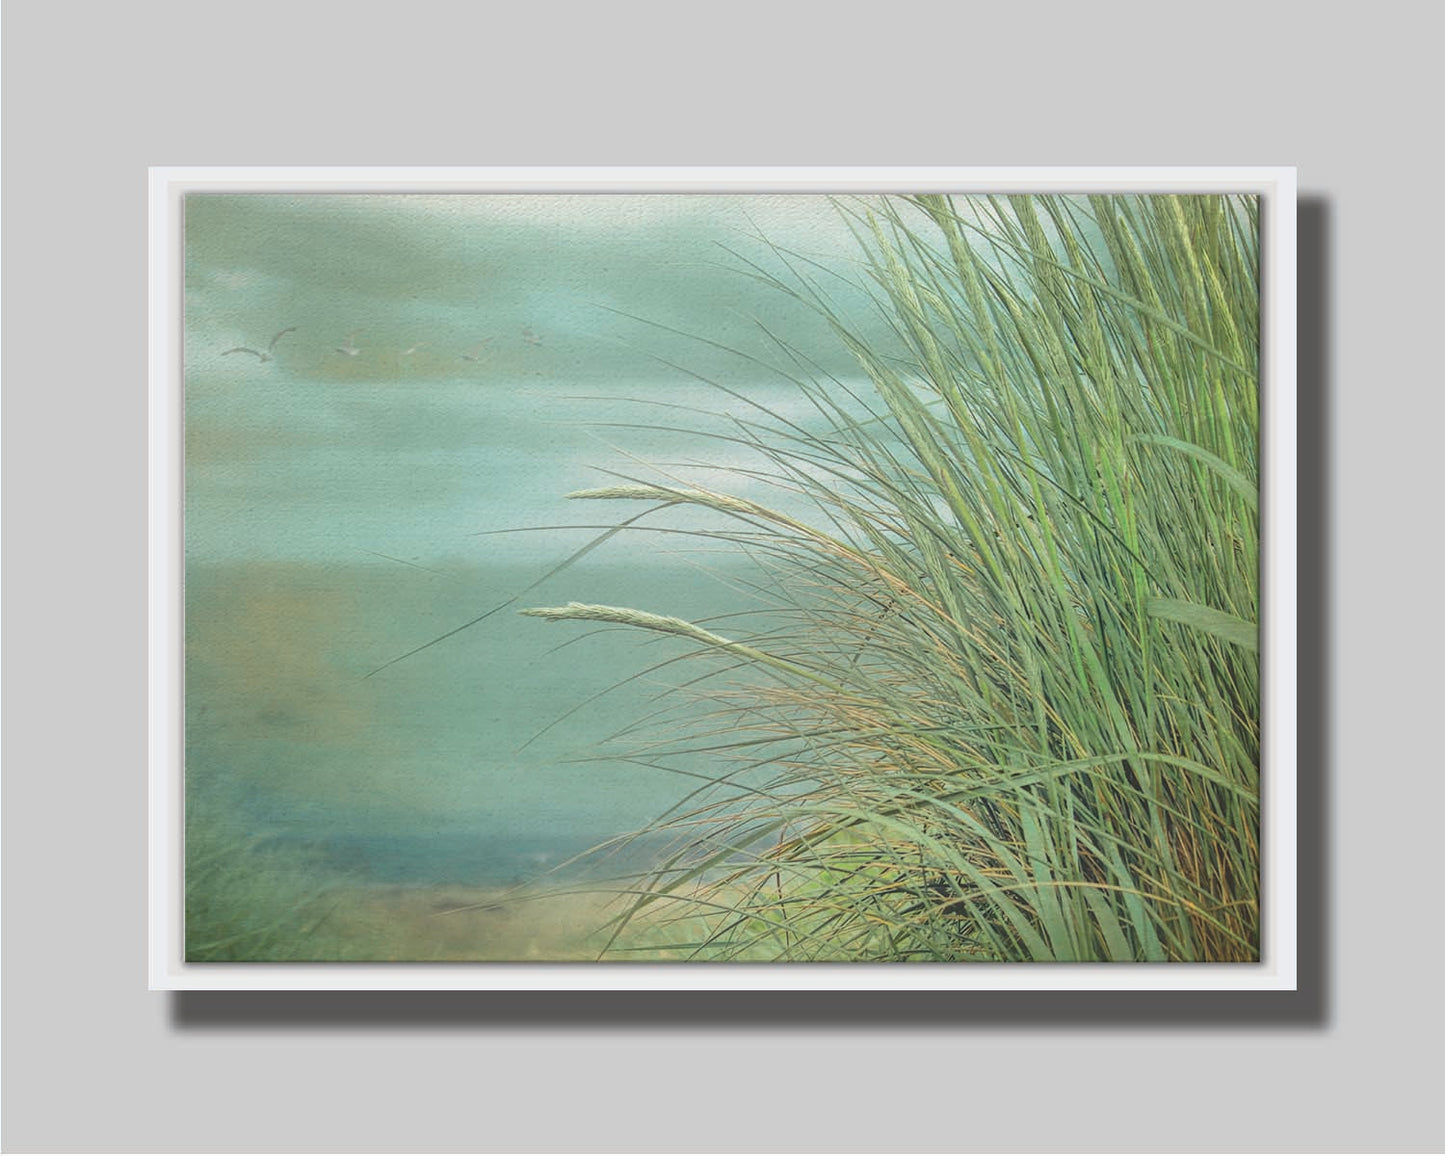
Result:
[320,454]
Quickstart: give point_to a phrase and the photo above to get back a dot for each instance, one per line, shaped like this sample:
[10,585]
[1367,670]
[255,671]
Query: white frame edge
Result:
[1278,970]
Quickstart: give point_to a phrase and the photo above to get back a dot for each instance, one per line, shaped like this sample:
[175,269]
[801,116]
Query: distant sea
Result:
[480,760]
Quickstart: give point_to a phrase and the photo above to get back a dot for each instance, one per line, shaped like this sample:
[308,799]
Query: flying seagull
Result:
[270,349]
[529,337]
[475,353]
[413,349]
[351,349]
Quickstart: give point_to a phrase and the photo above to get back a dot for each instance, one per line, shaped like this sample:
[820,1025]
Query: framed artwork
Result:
[735,578]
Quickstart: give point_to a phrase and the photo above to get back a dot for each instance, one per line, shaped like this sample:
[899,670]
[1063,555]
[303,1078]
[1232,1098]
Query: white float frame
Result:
[1277,970]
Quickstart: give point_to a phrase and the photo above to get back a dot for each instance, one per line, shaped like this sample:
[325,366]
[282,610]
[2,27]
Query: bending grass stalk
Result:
[622,616]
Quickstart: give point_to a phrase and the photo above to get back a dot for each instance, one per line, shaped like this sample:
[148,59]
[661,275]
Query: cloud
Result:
[636,304]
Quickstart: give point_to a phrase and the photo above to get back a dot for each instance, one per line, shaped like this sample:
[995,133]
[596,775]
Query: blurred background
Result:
[386,398]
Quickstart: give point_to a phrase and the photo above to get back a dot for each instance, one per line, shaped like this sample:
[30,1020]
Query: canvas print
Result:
[693,578]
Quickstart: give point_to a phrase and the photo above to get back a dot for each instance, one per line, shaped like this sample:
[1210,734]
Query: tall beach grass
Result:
[1005,703]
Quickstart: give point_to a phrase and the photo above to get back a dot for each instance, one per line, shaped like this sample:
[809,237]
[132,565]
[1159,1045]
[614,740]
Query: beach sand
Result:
[399,924]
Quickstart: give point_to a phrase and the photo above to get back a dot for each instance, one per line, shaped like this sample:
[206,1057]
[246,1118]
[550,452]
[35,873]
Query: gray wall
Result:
[96,92]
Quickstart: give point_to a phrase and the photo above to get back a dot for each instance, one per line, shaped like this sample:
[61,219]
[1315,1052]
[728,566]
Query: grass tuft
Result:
[1011,709]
